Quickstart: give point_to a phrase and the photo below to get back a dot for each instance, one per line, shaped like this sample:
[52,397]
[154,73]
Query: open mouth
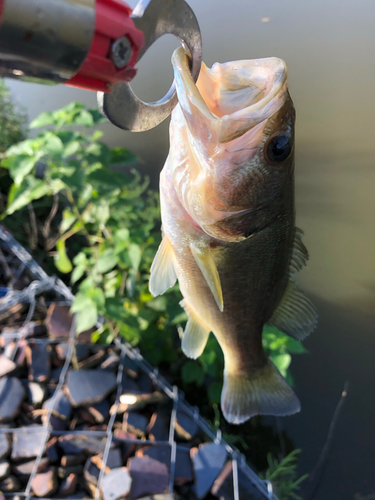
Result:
[230,98]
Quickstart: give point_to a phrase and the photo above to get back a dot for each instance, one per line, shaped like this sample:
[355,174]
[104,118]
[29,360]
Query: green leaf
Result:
[114,309]
[97,296]
[53,144]
[29,190]
[25,147]
[81,302]
[68,219]
[97,117]
[107,261]
[158,304]
[62,261]
[77,274]
[282,362]
[86,319]
[45,118]
[214,392]
[98,152]
[85,118]
[191,372]
[134,254]
[122,156]
[20,166]
[71,148]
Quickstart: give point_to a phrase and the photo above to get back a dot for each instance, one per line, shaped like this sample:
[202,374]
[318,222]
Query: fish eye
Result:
[279,148]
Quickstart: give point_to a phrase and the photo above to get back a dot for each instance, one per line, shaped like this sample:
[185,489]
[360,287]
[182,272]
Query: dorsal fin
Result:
[300,255]
[207,265]
[163,274]
[195,335]
[295,315]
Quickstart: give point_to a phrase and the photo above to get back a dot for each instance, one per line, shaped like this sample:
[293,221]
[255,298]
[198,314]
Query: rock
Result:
[167,496]
[26,468]
[51,450]
[128,385]
[70,460]
[92,361]
[5,445]
[10,484]
[68,485]
[74,444]
[127,447]
[32,329]
[184,469]
[26,442]
[208,461]
[21,353]
[131,368]
[82,351]
[61,407]
[158,428]
[114,460]
[162,453]
[35,392]
[38,359]
[116,484]
[12,394]
[59,323]
[186,427]
[223,486]
[88,387]
[91,472]
[45,483]
[145,383]
[55,375]
[4,469]
[148,477]
[7,366]
[135,423]
[64,472]
[97,414]
[111,363]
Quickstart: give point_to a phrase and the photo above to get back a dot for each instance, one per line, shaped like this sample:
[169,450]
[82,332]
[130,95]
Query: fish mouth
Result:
[231,98]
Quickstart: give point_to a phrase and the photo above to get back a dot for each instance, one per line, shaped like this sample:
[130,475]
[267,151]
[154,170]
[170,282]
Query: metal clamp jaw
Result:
[154,18]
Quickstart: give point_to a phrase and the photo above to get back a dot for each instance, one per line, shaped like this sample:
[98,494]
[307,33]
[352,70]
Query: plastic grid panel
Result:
[42,283]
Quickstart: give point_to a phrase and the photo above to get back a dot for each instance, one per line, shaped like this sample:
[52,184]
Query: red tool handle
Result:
[98,72]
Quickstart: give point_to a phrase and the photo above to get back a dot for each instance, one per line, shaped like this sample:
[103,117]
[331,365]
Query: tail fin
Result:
[264,393]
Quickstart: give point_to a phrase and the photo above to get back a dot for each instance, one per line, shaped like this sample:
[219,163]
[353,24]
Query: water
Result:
[329,47]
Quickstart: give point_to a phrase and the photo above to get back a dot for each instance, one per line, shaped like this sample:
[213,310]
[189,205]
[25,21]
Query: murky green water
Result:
[329,47]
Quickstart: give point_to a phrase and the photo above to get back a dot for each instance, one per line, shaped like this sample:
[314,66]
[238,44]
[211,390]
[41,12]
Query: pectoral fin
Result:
[207,265]
[295,315]
[195,334]
[163,274]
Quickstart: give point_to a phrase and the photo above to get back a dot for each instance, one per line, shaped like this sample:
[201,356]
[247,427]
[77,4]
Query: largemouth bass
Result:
[228,223]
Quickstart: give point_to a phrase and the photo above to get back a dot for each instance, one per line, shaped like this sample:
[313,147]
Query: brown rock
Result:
[38,359]
[68,485]
[93,361]
[70,460]
[148,477]
[59,322]
[45,483]
[26,468]
[10,484]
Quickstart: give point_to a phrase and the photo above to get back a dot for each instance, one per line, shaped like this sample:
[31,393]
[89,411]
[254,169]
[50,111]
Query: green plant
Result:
[105,230]
[13,120]
[283,476]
